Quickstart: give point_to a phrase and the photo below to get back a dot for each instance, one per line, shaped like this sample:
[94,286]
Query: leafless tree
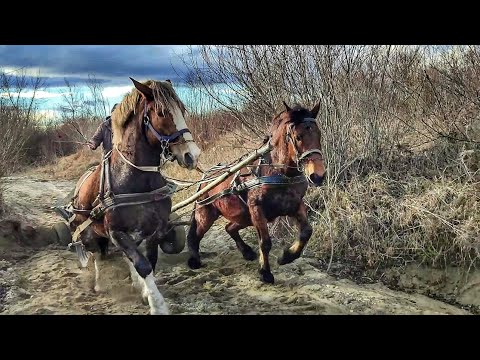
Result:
[83,110]
[18,104]
[376,100]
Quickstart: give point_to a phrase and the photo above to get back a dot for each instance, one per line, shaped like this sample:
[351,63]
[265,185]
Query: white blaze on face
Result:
[189,146]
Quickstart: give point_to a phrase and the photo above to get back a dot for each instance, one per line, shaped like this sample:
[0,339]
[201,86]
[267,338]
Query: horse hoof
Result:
[286,258]
[266,277]
[159,312]
[194,263]
[249,255]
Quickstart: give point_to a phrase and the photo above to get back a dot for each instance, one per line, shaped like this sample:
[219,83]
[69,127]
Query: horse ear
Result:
[286,106]
[144,89]
[169,81]
[315,110]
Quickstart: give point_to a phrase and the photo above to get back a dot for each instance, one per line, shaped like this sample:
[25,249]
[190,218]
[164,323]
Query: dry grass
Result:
[377,221]
[70,167]
[210,127]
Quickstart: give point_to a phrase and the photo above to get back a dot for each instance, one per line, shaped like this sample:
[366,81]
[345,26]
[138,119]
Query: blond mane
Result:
[165,97]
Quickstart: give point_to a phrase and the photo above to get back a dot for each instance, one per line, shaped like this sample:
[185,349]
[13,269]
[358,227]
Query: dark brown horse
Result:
[274,187]
[147,124]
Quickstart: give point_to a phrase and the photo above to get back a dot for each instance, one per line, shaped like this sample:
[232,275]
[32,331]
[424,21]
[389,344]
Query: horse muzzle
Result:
[186,160]
[315,179]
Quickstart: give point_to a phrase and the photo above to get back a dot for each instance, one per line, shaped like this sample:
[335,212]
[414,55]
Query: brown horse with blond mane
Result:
[126,196]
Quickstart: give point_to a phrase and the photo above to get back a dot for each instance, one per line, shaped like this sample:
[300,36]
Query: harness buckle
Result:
[96,213]
[107,202]
[169,156]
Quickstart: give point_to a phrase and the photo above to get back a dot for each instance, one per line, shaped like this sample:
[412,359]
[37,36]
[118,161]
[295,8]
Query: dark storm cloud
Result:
[110,64]
[56,81]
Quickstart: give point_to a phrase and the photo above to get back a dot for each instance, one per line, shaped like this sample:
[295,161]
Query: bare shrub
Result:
[29,140]
[399,127]
[379,221]
[17,108]
[375,99]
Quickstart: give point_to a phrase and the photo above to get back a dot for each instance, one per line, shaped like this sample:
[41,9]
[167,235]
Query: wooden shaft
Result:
[252,157]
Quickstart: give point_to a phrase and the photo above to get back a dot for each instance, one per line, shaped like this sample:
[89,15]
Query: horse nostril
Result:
[189,159]
[316,179]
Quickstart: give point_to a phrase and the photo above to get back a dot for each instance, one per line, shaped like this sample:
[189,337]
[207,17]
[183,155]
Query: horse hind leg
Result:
[202,220]
[233,230]
[143,268]
[265,243]
[153,242]
[94,261]
[103,246]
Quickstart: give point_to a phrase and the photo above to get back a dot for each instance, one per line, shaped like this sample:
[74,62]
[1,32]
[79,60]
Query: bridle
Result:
[165,140]
[301,157]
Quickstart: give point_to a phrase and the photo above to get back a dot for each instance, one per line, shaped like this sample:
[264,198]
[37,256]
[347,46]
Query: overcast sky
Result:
[112,65]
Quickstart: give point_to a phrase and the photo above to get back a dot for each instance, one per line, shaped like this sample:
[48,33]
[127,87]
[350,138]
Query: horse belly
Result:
[280,205]
[232,208]
[139,220]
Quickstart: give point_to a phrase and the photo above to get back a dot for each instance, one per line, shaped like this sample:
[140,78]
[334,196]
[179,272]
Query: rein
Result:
[237,189]
[141,168]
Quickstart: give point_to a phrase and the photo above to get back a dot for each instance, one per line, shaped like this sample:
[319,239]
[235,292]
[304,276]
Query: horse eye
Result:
[298,137]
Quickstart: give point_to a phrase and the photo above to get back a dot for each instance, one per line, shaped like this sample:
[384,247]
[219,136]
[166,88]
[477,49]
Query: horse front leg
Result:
[144,270]
[265,243]
[295,250]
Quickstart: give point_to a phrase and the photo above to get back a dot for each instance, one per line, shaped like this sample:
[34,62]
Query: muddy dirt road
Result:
[45,278]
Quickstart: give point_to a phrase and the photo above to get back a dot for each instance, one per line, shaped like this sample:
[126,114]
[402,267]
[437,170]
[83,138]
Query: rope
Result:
[141,168]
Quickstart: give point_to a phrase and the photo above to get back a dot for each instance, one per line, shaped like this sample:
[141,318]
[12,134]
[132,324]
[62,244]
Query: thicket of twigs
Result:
[29,139]
[401,136]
